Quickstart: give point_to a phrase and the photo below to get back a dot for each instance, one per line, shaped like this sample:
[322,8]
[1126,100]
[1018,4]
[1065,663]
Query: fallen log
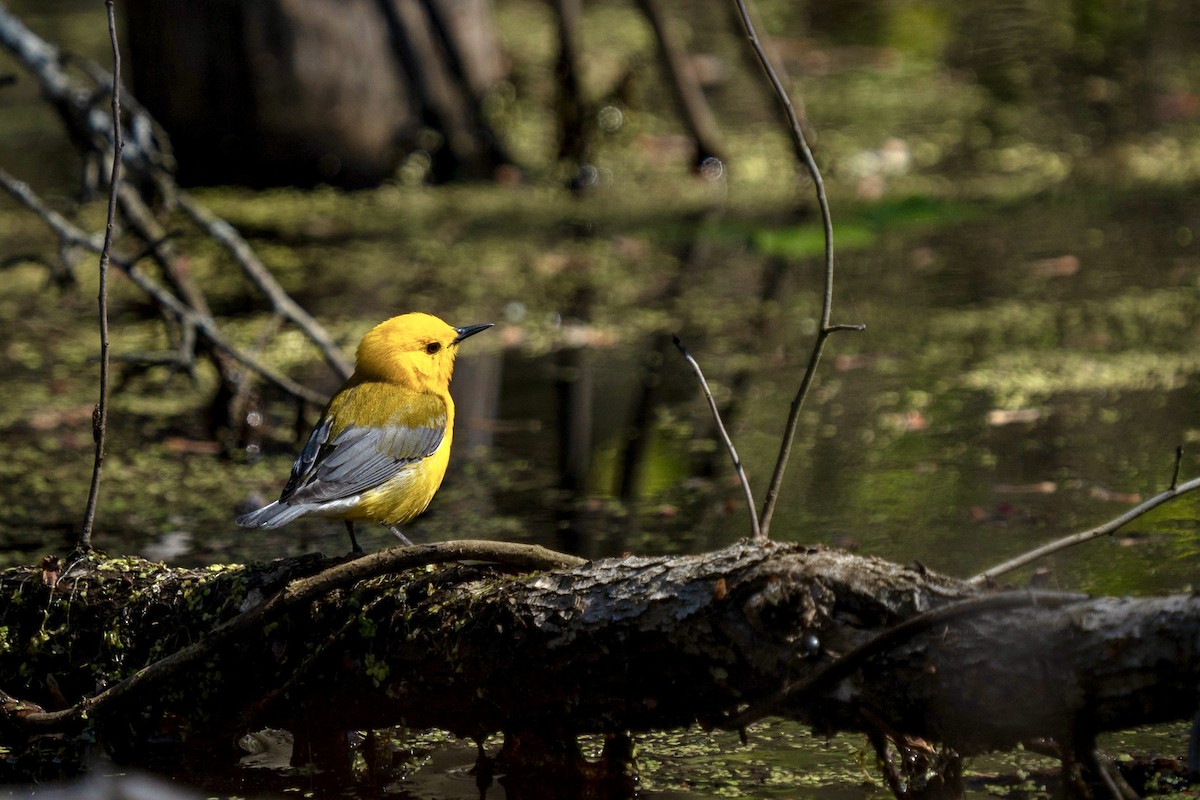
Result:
[837,641]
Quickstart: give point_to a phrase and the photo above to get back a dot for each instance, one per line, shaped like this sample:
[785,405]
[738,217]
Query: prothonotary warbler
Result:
[381,447]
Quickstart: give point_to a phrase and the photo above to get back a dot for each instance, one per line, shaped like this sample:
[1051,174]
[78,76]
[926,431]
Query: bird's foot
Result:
[355,550]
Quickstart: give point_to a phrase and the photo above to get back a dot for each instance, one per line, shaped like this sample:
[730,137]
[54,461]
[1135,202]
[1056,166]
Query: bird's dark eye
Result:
[433,347]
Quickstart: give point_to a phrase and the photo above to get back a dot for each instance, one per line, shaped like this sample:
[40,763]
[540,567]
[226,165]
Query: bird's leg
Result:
[354,548]
[400,535]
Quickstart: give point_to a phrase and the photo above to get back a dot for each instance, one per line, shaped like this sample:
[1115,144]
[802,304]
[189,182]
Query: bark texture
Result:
[610,646]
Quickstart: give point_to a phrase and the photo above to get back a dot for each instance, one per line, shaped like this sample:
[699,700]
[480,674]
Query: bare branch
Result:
[1088,535]
[141,219]
[804,154]
[73,104]
[208,327]
[100,415]
[65,230]
[758,534]
[144,156]
[205,325]
[257,272]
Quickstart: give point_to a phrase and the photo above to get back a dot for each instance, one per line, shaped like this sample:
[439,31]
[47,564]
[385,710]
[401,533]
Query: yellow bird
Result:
[381,447]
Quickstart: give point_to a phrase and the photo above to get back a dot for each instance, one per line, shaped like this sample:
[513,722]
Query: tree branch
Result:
[845,665]
[737,462]
[618,644]
[257,272]
[205,325]
[74,106]
[100,415]
[1085,536]
[805,156]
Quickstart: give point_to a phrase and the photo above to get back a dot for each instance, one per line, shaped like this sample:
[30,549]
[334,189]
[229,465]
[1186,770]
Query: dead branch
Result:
[205,325]
[100,415]
[756,531]
[257,272]
[72,101]
[826,329]
[301,590]
[143,157]
[845,665]
[1086,536]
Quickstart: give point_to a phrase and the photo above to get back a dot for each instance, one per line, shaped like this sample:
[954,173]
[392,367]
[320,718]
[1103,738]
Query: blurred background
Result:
[1013,187]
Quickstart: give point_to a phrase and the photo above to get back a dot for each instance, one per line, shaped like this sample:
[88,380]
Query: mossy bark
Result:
[609,646]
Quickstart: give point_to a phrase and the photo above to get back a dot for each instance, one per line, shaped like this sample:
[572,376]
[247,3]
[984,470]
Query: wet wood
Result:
[616,645]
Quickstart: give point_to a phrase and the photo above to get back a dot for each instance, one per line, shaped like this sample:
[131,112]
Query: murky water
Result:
[1021,377]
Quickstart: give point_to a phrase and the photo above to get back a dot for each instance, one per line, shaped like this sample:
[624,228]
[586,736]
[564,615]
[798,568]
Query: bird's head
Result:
[416,350]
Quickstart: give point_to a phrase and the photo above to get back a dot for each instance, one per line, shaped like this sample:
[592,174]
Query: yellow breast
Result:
[407,493]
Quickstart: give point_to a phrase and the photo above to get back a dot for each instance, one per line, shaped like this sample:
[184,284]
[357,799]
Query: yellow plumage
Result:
[381,447]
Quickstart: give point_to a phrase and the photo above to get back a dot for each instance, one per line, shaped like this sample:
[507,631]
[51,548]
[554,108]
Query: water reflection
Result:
[987,408]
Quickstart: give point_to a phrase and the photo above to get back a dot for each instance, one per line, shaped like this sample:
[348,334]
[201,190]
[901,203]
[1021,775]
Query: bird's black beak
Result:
[470,330]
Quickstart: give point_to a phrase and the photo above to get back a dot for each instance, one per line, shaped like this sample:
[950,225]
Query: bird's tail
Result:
[272,515]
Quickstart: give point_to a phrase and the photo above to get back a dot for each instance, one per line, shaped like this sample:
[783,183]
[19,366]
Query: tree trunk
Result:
[680,72]
[308,91]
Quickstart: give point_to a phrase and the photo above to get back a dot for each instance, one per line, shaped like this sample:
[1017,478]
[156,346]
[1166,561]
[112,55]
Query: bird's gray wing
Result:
[358,458]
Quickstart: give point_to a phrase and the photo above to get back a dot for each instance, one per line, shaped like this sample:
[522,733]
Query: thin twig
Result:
[205,325]
[1086,536]
[208,327]
[141,219]
[303,590]
[1178,464]
[804,154]
[67,232]
[756,531]
[144,156]
[258,273]
[100,415]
